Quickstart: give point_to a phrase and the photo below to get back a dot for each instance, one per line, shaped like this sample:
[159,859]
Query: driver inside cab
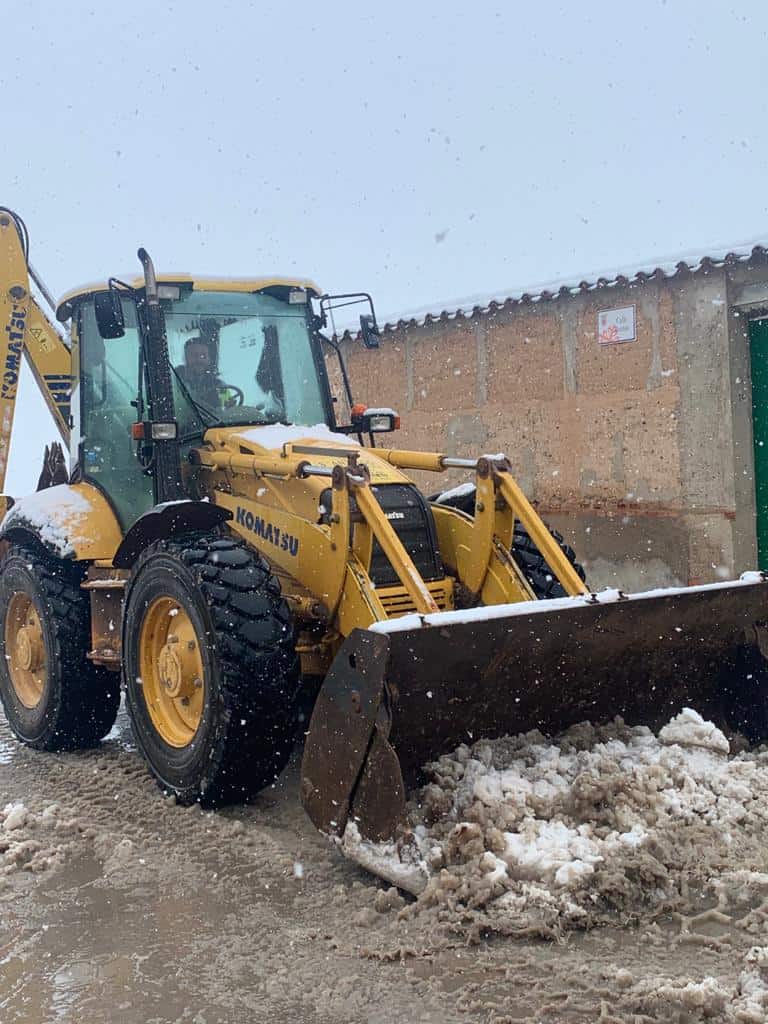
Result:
[198,374]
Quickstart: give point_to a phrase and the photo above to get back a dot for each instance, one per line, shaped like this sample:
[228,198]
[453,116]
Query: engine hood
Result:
[275,436]
[278,439]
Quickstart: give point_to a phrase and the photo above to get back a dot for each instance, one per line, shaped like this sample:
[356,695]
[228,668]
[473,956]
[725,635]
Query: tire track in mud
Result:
[247,911]
[161,913]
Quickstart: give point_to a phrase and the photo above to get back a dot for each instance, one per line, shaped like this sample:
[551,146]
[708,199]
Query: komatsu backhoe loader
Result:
[222,543]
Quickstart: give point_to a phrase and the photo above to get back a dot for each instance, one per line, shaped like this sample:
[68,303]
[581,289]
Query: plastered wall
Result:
[639,452]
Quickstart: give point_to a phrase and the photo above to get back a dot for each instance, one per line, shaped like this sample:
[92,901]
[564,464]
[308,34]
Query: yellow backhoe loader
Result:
[225,547]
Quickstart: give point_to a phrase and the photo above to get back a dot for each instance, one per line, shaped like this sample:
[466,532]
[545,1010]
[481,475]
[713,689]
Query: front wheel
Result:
[211,673]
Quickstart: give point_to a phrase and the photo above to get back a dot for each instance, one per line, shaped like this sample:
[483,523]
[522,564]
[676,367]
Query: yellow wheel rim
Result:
[172,675]
[25,650]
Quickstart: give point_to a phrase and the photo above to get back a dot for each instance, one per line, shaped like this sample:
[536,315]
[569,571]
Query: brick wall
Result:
[627,448]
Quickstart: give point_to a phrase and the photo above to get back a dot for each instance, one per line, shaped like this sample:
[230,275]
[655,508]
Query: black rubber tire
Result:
[535,569]
[251,668]
[80,700]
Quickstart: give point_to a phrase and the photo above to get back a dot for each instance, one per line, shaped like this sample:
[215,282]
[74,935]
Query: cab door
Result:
[109,387]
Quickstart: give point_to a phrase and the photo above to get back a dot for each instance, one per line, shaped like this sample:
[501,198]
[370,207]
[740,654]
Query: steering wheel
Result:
[239,394]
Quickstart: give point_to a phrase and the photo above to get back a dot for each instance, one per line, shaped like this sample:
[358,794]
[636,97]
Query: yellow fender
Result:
[73,521]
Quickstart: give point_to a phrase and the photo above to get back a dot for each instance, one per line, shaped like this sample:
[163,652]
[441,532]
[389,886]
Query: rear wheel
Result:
[54,698]
[535,569]
[531,561]
[211,672]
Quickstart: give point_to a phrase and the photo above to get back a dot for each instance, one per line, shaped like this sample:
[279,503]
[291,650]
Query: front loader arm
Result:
[499,502]
[27,331]
[331,560]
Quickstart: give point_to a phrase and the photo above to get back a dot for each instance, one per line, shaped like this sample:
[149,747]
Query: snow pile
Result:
[690,730]
[398,862]
[31,842]
[664,999]
[751,1002]
[537,835]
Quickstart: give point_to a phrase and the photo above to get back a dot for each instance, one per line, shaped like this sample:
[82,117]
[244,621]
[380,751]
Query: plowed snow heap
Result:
[602,824]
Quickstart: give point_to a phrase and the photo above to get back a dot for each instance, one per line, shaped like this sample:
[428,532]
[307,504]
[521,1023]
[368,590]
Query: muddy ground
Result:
[117,905]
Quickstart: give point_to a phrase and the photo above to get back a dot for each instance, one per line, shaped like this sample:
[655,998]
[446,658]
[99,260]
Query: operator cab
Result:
[240,353]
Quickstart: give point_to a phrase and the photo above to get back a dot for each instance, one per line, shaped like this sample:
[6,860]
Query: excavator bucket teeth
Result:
[406,691]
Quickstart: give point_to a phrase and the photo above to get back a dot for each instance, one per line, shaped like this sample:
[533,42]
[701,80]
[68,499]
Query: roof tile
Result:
[476,305]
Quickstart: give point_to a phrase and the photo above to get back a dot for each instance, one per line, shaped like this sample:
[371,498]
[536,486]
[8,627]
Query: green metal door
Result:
[758,348]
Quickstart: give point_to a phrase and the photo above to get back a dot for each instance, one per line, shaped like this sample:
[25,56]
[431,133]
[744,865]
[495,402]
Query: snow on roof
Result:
[690,262]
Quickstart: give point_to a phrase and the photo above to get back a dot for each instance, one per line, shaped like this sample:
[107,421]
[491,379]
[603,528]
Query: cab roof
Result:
[203,284]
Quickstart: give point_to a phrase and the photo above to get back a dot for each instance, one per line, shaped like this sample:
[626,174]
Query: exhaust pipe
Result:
[167,477]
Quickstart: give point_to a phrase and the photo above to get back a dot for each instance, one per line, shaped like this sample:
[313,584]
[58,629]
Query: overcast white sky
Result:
[421,151]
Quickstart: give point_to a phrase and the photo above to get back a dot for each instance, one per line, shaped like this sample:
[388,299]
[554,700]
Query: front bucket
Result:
[408,690]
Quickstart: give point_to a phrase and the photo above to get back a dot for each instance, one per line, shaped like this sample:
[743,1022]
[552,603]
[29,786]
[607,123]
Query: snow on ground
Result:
[278,927]
[528,836]
[32,842]
[708,999]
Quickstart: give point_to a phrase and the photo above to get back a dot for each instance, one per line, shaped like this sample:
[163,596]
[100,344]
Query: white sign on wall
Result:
[615,325]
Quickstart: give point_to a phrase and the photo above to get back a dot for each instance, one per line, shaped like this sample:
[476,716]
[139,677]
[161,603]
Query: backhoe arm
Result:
[27,331]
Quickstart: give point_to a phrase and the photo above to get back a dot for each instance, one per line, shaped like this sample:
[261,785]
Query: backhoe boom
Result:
[28,331]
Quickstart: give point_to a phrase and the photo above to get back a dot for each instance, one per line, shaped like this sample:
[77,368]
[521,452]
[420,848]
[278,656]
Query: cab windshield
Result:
[241,359]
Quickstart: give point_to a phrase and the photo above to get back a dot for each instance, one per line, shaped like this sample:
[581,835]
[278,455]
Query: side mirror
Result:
[369,330]
[109,314]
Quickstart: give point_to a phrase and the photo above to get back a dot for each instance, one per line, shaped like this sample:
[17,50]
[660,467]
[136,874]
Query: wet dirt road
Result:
[117,905]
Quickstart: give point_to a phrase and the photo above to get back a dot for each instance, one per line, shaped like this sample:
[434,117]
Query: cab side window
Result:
[109,382]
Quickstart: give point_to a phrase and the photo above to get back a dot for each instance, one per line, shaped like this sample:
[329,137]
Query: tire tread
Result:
[89,693]
[253,642]
[543,582]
